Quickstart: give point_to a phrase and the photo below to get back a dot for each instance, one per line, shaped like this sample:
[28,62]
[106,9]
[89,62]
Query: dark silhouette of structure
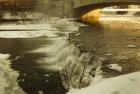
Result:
[68,8]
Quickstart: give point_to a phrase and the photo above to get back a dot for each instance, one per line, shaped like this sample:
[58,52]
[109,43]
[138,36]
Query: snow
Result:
[27,31]
[131,46]
[8,77]
[4,56]
[125,84]
[26,34]
[115,67]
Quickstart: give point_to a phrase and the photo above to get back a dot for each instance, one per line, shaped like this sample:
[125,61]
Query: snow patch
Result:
[27,31]
[115,67]
[8,77]
[126,84]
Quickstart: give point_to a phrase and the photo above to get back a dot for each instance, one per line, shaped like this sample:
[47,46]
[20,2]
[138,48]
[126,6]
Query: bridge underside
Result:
[80,11]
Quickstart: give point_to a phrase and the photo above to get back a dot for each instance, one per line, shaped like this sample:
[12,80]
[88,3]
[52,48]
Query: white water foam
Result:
[65,57]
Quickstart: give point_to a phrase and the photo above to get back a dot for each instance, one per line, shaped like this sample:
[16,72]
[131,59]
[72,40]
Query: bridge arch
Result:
[83,8]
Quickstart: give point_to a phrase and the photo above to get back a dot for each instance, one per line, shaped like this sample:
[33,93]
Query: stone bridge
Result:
[69,8]
[80,7]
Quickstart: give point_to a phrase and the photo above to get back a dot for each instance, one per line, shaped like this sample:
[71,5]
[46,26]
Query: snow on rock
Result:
[26,34]
[115,67]
[126,84]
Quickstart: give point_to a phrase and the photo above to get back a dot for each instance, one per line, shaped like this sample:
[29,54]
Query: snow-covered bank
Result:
[126,84]
[8,77]
[27,31]
[30,30]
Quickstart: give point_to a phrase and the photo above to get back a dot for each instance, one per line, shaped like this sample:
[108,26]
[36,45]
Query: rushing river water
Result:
[34,50]
[36,54]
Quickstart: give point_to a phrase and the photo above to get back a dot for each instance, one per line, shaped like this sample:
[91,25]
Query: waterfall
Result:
[76,68]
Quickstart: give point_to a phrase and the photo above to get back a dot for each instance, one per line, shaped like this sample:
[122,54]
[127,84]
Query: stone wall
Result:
[54,8]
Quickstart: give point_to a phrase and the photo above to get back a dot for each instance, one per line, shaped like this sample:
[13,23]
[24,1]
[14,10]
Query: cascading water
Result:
[74,65]
[52,64]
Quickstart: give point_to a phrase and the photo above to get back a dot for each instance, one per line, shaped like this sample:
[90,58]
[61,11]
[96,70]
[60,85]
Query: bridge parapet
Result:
[81,3]
[82,7]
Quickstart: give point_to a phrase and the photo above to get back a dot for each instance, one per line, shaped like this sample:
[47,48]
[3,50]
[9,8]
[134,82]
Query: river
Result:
[39,51]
